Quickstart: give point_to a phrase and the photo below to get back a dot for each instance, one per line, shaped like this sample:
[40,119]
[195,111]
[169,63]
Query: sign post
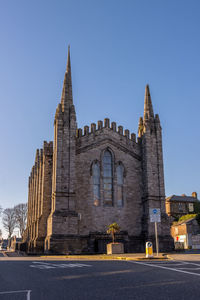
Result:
[156,234]
[154,214]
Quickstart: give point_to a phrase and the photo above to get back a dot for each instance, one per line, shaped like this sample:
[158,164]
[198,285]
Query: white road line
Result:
[13,292]
[185,268]
[162,267]
[62,265]
[189,263]
[28,293]
[175,264]
[44,265]
[169,263]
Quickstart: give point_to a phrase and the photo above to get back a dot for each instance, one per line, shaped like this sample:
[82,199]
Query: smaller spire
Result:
[140,127]
[67,98]
[148,108]
[68,70]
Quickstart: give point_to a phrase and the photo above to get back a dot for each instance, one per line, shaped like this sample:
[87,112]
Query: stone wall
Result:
[90,148]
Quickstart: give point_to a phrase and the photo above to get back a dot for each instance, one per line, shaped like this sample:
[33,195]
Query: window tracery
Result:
[120,182]
[96,183]
[108,178]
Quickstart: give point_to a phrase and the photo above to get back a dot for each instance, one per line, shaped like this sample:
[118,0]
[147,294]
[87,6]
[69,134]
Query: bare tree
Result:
[21,216]
[9,221]
[1,239]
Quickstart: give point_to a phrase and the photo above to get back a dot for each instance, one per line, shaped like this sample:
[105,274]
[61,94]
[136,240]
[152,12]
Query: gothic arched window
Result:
[96,183]
[120,182]
[108,178]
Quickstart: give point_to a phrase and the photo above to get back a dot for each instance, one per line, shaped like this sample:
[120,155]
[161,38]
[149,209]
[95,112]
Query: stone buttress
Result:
[44,196]
[39,199]
[150,133]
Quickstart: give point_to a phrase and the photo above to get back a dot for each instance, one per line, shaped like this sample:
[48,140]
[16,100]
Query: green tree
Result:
[113,229]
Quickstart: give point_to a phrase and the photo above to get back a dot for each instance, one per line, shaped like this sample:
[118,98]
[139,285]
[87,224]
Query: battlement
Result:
[95,128]
[48,148]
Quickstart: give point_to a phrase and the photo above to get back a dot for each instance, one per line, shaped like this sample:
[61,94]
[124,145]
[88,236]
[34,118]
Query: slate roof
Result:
[181,198]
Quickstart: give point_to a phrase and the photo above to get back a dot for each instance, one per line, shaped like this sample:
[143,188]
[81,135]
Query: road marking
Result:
[28,293]
[162,267]
[44,265]
[169,263]
[189,263]
[185,268]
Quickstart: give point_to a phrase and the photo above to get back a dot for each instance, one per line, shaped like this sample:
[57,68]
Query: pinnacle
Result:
[67,99]
[140,127]
[148,108]
[68,70]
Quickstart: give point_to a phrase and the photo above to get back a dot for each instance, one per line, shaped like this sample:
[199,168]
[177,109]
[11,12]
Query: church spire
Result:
[148,108]
[67,98]
[68,70]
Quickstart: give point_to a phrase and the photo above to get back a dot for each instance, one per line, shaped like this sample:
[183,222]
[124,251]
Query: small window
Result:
[96,183]
[120,182]
[180,207]
[191,207]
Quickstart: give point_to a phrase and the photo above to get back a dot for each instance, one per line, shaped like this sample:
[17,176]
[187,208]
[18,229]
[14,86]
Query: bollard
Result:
[149,250]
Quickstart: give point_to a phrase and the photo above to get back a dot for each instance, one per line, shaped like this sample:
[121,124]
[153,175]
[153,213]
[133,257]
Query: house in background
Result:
[186,234]
[177,206]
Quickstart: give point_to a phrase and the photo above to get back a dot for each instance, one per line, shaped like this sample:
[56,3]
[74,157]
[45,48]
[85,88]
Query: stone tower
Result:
[62,222]
[150,133]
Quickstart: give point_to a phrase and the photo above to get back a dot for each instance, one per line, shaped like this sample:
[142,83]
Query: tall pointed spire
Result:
[68,70]
[67,98]
[148,108]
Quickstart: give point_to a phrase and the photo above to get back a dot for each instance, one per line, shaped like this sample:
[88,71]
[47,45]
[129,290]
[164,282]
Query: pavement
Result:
[190,255]
[11,255]
[99,280]
[101,277]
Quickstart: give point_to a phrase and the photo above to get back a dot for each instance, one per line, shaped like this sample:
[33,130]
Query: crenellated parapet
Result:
[48,148]
[95,129]
[90,137]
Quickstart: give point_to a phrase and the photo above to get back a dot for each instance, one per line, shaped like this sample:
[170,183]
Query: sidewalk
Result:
[183,256]
[125,256]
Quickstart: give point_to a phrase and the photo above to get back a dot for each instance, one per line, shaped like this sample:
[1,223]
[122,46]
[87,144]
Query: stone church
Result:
[87,179]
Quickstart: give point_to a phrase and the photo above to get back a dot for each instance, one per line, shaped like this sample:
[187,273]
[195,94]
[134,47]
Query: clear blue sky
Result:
[117,47]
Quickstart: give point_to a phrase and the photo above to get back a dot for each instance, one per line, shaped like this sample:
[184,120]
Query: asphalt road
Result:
[85,280]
